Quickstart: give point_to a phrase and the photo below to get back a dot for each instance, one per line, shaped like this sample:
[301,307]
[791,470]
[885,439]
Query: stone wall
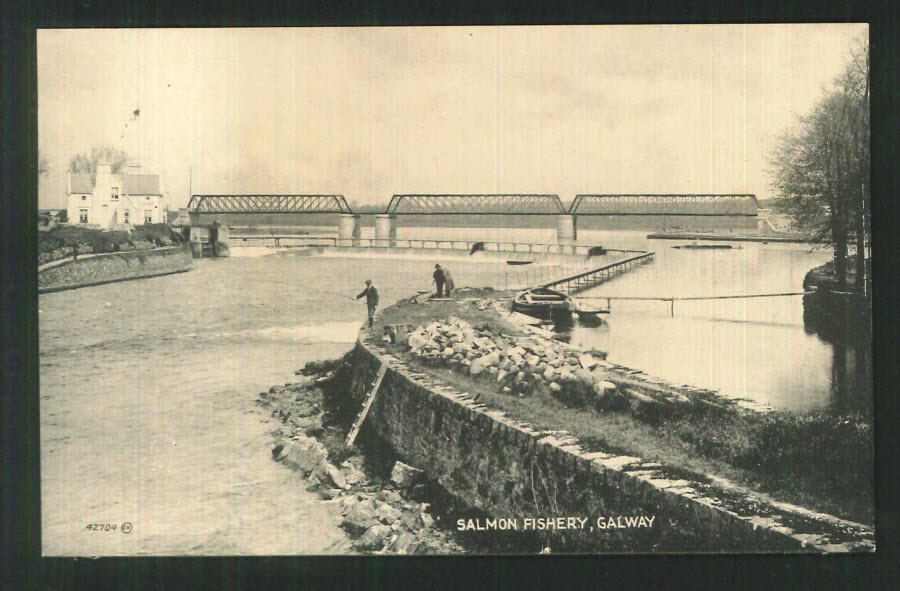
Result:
[505,469]
[120,266]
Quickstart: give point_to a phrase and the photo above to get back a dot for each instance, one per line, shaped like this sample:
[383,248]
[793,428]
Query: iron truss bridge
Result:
[688,205]
[268,204]
[507,204]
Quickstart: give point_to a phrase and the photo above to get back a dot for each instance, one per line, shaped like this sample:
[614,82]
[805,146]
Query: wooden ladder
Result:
[357,424]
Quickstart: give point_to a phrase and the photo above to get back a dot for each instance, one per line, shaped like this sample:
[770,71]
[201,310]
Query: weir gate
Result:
[210,214]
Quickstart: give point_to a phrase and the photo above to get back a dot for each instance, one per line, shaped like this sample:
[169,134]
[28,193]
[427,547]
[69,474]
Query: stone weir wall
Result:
[112,267]
[506,469]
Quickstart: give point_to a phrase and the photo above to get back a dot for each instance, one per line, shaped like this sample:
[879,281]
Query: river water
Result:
[148,387]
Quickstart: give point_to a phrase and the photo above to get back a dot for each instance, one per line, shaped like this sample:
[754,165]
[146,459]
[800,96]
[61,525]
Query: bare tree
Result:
[86,163]
[43,165]
[821,168]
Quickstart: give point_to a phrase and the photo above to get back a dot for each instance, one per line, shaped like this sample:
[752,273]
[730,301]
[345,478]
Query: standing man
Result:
[448,280]
[371,300]
[439,280]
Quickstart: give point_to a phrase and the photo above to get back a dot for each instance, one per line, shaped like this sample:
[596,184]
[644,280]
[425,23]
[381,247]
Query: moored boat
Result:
[544,303]
[696,246]
[589,315]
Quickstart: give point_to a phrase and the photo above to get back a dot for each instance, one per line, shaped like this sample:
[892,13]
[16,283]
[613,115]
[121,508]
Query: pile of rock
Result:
[518,364]
[381,516]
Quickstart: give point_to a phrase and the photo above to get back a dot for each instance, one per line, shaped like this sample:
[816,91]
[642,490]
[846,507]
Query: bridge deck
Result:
[221,204]
[666,205]
[462,204]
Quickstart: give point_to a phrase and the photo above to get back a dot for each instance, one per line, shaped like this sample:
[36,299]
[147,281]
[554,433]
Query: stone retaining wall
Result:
[509,470]
[119,266]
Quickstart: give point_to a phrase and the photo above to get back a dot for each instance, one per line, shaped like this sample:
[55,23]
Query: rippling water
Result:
[147,412]
[147,386]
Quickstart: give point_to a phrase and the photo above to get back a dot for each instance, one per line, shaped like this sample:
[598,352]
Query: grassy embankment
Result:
[62,241]
[817,460]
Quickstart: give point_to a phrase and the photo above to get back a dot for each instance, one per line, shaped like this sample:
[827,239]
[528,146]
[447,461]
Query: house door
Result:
[214,238]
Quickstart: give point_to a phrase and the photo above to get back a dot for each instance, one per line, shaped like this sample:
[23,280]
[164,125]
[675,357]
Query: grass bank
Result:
[819,460]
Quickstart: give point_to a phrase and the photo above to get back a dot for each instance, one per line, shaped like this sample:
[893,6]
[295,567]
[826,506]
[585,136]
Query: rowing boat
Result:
[542,303]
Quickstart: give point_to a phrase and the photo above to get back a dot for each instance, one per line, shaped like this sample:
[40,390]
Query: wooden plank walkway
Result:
[596,276]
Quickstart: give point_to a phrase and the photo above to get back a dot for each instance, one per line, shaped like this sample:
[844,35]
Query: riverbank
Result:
[818,460]
[99,269]
[379,502]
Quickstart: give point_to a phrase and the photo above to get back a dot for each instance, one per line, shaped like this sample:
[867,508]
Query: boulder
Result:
[417,341]
[305,453]
[566,375]
[501,375]
[314,483]
[360,517]
[404,543]
[555,387]
[478,365]
[517,351]
[405,476]
[583,374]
[426,520]
[374,538]
[335,477]
[386,514]
[389,496]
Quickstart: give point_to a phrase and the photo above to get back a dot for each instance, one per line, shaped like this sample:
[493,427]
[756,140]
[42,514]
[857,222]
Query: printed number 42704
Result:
[101,527]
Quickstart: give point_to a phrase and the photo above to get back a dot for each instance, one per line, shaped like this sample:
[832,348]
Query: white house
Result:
[108,200]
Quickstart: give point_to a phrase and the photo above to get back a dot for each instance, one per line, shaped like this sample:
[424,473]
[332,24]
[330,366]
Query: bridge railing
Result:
[476,204]
[666,205]
[223,204]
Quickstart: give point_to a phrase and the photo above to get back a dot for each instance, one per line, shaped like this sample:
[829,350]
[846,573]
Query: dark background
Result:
[22,566]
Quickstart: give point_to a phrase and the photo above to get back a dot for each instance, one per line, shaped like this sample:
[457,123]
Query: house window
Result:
[127,216]
[82,216]
[84,197]
[148,217]
[114,193]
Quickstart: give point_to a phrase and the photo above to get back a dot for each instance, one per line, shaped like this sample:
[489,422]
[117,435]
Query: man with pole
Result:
[371,300]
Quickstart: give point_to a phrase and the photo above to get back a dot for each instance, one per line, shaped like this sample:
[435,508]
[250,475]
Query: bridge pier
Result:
[566,233]
[348,229]
[211,240]
[385,230]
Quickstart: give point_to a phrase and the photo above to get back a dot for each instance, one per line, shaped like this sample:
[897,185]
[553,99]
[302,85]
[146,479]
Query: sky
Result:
[370,112]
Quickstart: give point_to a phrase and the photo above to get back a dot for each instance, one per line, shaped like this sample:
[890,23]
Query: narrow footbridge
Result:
[592,277]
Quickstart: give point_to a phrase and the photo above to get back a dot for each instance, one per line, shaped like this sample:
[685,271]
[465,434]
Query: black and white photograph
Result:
[455,290]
